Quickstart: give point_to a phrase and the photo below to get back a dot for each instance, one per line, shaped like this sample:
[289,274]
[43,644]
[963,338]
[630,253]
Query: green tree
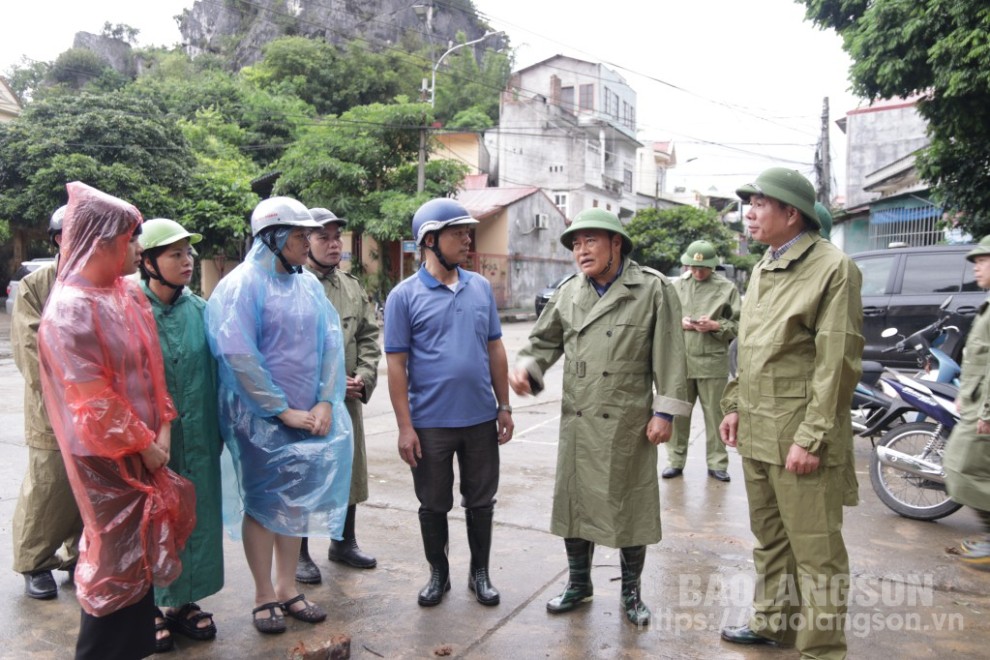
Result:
[121,145]
[220,199]
[661,236]
[26,77]
[363,166]
[463,84]
[938,48]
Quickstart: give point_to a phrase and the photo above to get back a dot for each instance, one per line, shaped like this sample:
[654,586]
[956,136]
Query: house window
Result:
[587,98]
[560,201]
[627,177]
[594,203]
[567,98]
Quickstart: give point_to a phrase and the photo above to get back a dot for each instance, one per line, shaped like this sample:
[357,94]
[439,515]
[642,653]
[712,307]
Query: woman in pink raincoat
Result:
[105,391]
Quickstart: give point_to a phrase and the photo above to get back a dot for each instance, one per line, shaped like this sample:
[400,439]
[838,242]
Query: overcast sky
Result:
[738,86]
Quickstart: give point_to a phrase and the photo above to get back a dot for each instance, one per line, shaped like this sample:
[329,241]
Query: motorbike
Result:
[876,405]
[906,465]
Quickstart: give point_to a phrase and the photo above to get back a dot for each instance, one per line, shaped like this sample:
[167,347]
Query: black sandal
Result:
[274,624]
[311,613]
[162,644]
[185,620]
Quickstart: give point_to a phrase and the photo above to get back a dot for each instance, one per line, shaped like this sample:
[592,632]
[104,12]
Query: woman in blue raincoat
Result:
[280,353]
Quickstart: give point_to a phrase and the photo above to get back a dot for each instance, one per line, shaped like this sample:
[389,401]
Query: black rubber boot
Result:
[433,526]
[479,533]
[306,571]
[578,590]
[632,569]
[347,551]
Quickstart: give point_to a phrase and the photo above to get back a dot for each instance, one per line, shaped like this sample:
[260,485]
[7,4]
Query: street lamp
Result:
[433,80]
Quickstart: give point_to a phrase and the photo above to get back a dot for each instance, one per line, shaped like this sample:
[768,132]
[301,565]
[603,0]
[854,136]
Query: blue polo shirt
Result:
[445,334]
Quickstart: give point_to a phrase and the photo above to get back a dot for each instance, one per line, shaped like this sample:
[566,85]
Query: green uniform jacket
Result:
[191,376]
[800,347]
[32,293]
[617,348]
[718,298]
[361,356]
[967,457]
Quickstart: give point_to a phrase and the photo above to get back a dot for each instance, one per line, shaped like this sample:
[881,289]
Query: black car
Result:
[903,288]
[543,297]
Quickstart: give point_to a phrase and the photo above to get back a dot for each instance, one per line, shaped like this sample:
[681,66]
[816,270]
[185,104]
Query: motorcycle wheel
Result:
[906,494]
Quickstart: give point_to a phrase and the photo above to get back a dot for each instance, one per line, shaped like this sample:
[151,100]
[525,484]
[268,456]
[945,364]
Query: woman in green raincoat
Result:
[191,376]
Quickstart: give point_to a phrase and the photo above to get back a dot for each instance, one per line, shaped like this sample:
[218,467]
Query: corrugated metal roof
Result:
[488,201]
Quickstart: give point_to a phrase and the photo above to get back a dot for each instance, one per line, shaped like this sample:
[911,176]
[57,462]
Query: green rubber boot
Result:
[578,590]
[632,569]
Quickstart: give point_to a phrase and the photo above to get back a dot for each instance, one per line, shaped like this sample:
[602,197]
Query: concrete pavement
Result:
[910,598]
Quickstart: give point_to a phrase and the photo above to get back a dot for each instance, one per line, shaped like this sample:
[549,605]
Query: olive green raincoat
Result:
[717,298]
[800,348]
[46,517]
[191,377]
[361,356]
[623,361]
[967,457]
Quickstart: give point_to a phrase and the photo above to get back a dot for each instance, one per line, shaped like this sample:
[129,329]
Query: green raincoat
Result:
[800,347]
[191,376]
[967,457]
[32,293]
[717,298]
[623,361]
[46,516]
[361,356]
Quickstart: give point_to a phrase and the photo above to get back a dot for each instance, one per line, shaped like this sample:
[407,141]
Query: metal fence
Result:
[916,226]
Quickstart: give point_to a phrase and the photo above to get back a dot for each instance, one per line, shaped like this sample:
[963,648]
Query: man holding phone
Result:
[710,304]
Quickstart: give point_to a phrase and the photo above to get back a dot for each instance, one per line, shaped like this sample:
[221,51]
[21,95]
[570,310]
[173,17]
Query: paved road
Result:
[911,599]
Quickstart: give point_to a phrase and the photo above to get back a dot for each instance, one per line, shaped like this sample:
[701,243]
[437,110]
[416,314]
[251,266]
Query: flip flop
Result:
[312,613]
[274,624]
[185,620]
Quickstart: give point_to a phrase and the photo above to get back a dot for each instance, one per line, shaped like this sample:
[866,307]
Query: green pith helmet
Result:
[701,254]
[824,220]
[159,232]
[982,248]
[787,186]
[596,219]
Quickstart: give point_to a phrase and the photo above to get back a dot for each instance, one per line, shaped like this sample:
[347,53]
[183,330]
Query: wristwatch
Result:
[504,407]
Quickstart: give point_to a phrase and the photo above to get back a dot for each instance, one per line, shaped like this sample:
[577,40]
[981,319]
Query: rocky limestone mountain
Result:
[239,28]
[115,52]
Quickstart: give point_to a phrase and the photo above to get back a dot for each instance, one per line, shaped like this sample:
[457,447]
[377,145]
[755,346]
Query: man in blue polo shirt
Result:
[448,381]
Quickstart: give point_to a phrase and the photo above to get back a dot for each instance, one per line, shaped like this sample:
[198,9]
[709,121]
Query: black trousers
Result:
[476,448]
[127,634]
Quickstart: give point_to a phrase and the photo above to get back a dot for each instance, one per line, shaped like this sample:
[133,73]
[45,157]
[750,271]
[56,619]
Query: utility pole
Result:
[421,170]
[823,161]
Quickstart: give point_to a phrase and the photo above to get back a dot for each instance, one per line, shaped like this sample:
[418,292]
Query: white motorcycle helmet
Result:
[281,211]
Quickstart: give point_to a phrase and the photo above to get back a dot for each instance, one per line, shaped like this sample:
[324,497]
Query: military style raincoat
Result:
[718,298]
[623,360]
[28,306]
[967,457]
[800,347]
[278,345]
[191,376]
[104,386]
[361,356]
[46,516]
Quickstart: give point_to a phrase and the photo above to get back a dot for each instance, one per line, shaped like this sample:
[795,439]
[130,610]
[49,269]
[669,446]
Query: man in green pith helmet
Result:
[617,324]
[361,356]
[788,413]
[967,457]
[710,307]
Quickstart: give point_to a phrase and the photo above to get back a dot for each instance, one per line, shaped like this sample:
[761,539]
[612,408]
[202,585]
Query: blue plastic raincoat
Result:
[278,344]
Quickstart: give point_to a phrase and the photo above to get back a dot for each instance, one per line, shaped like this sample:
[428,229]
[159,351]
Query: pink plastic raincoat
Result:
[104,387]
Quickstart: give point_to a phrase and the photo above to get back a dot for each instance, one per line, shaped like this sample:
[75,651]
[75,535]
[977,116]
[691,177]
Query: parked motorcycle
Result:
[876,406]
[906,465]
